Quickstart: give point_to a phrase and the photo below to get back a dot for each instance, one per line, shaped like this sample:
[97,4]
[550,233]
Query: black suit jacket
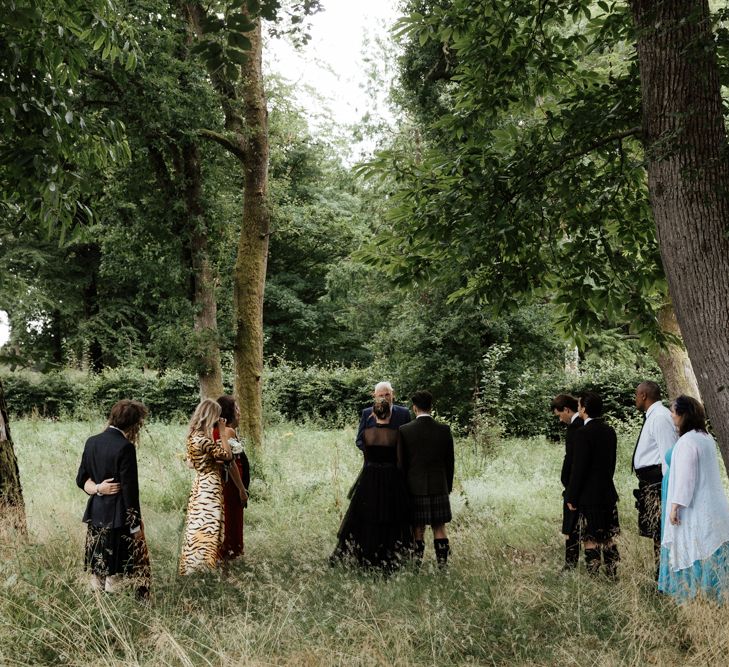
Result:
[569,445]
[425,455]
[400,416]
[110,455]
[593,465]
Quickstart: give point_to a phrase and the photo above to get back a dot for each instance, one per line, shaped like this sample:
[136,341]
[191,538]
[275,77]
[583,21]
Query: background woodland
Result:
[546,212]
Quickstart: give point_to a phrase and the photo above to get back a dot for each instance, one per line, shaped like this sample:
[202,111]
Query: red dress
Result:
[233,541]
[233,535]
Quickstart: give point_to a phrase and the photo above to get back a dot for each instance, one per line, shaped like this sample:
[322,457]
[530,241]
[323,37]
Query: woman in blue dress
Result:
[695,517]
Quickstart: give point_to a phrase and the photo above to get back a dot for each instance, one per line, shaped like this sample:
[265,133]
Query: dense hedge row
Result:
[69,394]
[331,395]
[527,402]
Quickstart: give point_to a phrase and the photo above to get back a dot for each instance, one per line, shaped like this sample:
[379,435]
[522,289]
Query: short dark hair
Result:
[127,415]
[592,403]
[562,401]
[652,390]
[692,414]
[227,408]
[423,400]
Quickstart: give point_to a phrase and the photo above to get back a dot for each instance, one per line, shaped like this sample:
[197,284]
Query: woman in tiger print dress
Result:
[205,522]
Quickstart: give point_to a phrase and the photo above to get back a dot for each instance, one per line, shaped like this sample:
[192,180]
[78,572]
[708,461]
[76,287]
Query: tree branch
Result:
[599,143]
[226,142]
[234,122]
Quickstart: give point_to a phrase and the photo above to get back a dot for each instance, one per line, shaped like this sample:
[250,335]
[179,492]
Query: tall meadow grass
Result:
[501,602]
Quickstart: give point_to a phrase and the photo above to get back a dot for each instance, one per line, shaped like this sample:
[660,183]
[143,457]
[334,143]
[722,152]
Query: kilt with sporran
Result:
[431,510]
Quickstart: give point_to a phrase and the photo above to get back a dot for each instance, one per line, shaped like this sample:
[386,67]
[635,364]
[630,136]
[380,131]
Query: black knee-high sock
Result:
[442,549]
[611,556]
[592,560]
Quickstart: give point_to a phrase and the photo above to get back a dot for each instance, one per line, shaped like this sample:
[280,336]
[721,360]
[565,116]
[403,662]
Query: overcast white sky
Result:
[331,64]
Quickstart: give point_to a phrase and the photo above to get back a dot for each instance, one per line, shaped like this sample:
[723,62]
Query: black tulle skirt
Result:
[376,530]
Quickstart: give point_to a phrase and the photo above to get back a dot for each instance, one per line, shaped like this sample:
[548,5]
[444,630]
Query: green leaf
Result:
[231,72]
[240,23]
[200,48]
[211,24]
[239,41]
[237,56]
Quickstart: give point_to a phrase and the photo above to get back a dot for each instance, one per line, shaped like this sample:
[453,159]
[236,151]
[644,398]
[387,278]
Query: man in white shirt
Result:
[656,438]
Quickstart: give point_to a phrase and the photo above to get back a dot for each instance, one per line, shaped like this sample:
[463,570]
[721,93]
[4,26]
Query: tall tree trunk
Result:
[207,352]
[251,263]
[688,176]
[12,506]
[91,254]
[673,360]
[187,170]
[246,137]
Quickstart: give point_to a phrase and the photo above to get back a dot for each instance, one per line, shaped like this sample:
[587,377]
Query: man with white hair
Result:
[399,414]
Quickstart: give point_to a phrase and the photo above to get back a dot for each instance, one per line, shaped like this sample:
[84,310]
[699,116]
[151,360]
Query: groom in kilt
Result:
[425,455]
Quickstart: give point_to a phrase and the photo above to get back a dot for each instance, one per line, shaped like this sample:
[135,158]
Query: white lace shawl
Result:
[695,483]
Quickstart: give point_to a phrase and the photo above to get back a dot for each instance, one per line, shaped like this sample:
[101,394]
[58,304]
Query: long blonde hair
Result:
[204,418]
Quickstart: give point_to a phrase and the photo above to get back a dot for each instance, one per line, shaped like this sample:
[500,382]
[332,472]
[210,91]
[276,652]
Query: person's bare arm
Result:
[106,488]
[235,476]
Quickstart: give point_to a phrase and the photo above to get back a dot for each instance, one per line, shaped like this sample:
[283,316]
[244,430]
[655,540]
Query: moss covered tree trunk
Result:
[250,267]
[243,103]
[12,506]
[688,182]
[205,305]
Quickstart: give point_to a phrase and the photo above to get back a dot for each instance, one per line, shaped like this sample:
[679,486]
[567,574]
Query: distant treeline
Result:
[327,395]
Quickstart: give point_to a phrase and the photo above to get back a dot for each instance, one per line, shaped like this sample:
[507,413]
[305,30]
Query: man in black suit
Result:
[399,414]
[591,491]
[565,408]
[425,455]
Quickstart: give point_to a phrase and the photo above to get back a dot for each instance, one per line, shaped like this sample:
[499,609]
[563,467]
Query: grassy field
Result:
[502,601]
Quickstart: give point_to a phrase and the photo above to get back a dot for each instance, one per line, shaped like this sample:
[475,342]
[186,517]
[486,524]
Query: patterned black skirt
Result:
[112,551]
[109,551]
[431,510]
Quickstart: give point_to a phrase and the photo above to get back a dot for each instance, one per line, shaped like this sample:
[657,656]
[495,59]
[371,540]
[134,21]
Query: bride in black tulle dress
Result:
[376,529]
